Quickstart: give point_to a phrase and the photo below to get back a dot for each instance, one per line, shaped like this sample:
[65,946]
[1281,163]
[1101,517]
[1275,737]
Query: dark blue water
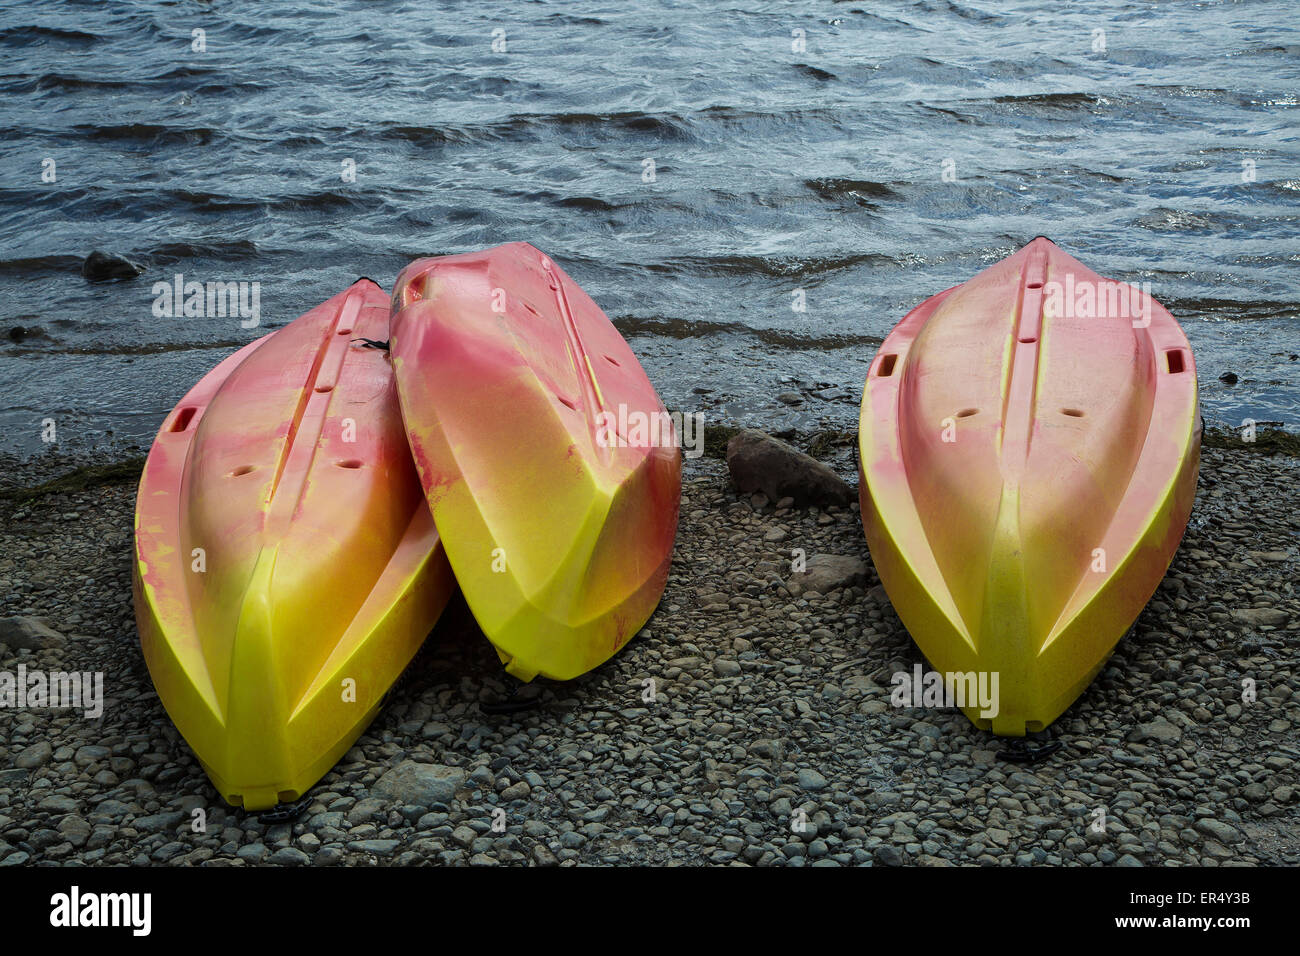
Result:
[1169,157]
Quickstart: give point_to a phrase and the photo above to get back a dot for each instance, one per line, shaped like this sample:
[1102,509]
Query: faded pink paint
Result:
[1073,432]
[501,408]
[299,518]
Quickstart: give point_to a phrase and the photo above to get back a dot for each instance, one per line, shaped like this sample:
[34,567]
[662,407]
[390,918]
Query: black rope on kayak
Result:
[373,344]
[1023,750]
[511,703]
[284,812]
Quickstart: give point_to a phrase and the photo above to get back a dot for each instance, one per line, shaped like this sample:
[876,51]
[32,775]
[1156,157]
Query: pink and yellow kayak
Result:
[287,568]
[1029,449]
[550,464]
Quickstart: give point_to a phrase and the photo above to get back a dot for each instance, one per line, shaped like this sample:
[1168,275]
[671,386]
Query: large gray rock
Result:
[1159,730]
[887,855]
[35,756]
[1261,616]
[289,856]
[74,829]
[420,784]
[826,572]
[58,803]
[726,668]
[164,822]
[1223,832]
[28,632]
[377,847]
[759,462]
[812,781]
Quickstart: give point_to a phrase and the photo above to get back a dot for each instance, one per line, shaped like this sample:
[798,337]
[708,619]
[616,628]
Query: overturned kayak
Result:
[549,463]
[287,568]
[1029,449]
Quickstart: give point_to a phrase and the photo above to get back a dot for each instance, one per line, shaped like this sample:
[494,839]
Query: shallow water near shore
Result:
[1169,156]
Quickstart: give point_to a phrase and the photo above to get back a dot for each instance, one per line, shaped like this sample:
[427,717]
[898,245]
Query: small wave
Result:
[793,267]
[330,199]
[951,114]
[59,82]
[35,33]
[663,125]
[864,192]
[586,202]
[464,85]
[40,265]
[674,328]
[419,135]
[1194,92]
[68,82]
[966,13]
[669,126]
[929,72]
[814,72]
[1232,310]
[569,20]
[1180,220]
[150,134]
[232,250]
[155,348]
[298,142]
[1057,100]
[221,203]
[1276,50]
[202,201]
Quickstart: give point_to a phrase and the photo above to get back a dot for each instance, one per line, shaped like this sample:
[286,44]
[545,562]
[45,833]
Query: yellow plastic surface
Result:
[1028,466]
[558,521]
[287,568]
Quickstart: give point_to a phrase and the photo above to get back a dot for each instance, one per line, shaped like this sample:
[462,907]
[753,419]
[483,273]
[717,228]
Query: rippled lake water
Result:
[795,148]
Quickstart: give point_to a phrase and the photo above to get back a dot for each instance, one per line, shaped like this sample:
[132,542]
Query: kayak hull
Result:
[287,569]
[530,421]
[1028,464]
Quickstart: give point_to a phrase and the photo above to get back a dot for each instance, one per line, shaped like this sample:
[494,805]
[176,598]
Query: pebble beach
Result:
[749,723]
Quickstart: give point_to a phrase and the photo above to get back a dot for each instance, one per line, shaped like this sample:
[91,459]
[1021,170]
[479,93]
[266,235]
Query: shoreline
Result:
[30,476]
[769,702]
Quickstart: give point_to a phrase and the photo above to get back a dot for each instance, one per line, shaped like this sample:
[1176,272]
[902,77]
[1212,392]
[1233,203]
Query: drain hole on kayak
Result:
[1072,412]
[345,331]
[1174,360]
[567,402]
[324,388]
[349,463]
[183,420]
[886,365]
[1034,285]
[967,412]
[611,360]
[243,470]
[1029,340]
